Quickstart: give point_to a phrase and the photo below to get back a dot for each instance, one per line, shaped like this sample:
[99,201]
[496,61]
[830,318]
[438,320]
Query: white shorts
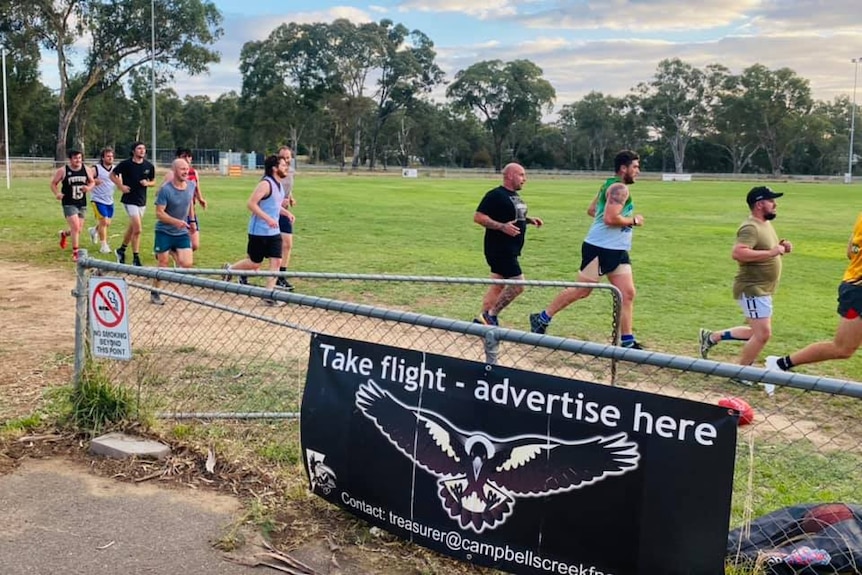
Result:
[756,307]
[135,211]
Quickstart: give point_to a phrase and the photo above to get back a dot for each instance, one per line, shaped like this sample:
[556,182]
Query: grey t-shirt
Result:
[176,204]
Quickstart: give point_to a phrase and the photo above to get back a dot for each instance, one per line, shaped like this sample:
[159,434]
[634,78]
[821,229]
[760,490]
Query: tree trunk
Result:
[357,144]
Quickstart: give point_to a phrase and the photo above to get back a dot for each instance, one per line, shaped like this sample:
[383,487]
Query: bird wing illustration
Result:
[532,465]
[434,444]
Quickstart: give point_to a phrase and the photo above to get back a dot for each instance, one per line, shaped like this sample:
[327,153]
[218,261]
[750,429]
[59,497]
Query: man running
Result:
[173,207]
[605,250]
[74,182]
[133,176]
[102,199]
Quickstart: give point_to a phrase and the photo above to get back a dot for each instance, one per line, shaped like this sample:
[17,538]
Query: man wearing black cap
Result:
[133,176]
[758,252]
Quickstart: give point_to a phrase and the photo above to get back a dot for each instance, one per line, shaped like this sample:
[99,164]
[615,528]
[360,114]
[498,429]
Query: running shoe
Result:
[536,323]
[105,249]
[226,276]
[632,345]
[94,235]
[706,342]
[63,236]
[121,255]
[156,299]
[487,319]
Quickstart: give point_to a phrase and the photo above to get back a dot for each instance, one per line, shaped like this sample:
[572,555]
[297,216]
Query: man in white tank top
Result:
[102,199]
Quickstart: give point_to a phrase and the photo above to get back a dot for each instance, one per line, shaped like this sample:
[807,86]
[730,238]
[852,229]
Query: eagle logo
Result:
[479,475]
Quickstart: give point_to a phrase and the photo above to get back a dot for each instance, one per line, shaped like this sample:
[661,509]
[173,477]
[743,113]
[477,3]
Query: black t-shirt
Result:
[132,173]
[504,206]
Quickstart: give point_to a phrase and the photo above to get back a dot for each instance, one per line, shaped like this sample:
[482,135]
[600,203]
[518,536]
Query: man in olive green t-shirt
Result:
[758,252]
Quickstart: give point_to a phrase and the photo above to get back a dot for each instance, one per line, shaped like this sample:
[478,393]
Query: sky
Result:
[607,46]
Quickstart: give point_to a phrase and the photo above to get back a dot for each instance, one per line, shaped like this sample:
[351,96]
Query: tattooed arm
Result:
[617,195]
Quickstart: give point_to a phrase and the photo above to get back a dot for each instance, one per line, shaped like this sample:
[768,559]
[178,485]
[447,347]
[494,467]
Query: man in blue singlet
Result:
[264,236]
[605,250]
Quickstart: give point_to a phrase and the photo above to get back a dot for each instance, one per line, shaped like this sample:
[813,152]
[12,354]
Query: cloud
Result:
[482,9]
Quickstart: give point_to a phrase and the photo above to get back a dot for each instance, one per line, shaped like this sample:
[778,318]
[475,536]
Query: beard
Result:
[628,179]
[769,217]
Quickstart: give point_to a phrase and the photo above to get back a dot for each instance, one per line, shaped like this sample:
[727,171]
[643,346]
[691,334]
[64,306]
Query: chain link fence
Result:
[216,351]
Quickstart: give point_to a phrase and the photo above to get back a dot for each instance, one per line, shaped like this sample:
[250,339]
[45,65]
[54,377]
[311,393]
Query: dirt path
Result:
[37,312]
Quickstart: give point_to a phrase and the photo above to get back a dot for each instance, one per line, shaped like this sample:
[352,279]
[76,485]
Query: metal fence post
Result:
[80,294]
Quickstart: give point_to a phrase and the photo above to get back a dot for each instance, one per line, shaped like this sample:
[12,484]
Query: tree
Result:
[778,105]
[677,102]
[594,120]
[730,127]
[407,70]
[503,94]
[117,46]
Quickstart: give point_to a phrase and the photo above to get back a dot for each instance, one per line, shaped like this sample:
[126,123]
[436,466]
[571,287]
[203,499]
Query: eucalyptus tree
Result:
[595,121]
[778,104]
[677,103]
[503,94]
[116,44]
[337,69]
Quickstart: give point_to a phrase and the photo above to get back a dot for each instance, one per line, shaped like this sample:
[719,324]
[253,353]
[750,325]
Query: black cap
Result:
[761,193]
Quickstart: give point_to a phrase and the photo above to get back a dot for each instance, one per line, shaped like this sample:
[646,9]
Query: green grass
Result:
[389,225]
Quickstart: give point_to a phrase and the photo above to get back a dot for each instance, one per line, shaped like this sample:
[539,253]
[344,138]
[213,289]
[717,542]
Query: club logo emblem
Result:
[322,476]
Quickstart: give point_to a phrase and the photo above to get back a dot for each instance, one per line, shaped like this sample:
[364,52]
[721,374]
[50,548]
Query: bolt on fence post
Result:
[80,293]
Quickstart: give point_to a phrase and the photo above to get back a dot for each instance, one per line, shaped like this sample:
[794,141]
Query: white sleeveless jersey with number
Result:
[104,192]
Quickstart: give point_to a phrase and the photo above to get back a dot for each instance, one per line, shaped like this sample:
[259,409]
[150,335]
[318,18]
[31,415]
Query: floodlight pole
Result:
[6,126]
[852,120]
[153,154]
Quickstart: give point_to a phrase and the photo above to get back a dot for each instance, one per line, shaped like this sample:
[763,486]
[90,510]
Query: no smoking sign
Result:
[109,324]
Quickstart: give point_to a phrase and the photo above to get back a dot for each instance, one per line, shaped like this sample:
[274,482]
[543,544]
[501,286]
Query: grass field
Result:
[681,256]
[423,227]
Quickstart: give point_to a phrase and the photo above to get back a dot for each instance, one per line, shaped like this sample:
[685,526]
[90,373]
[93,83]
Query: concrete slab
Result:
[57,517]
[123,446]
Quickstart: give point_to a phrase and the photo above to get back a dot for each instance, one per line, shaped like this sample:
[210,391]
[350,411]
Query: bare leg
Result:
[274,264]
[286,247]
[623,279]
[848,338]
[507,296]
[570,295]
[492,295]
[76,223]
[740,333]
[761,331]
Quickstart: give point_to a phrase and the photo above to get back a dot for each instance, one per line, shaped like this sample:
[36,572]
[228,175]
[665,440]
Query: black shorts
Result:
[609,260]
[504,265]
[849,300]
[285,225]
[260,247]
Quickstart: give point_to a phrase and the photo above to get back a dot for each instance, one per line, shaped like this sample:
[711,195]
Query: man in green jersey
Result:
[605,250]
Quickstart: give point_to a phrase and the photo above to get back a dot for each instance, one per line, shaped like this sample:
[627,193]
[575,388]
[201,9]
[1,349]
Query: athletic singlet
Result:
[103,193]
[271,205]
[73,182]
[603,235]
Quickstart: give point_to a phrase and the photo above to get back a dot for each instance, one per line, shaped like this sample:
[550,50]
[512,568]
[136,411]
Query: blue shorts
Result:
[166,242]
[285,226]
[102,211]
